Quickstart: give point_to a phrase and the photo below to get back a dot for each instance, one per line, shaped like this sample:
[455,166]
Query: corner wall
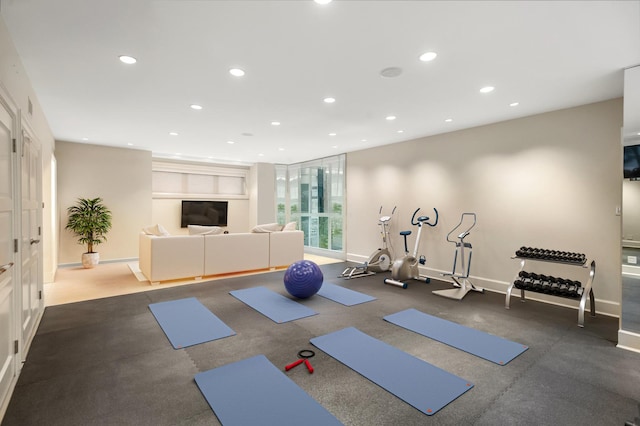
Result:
[550,181]
[122,178]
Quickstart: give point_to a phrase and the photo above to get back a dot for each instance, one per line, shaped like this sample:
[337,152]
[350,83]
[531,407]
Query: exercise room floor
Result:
[107,362]
[76,284]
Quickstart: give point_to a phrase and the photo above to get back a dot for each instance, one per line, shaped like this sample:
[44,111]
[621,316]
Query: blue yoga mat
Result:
[343,295]
[418,383]
[255,392]
[476,342]
[272,305]
[187,322]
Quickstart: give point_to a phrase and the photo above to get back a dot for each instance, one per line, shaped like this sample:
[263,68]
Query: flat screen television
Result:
[632,162]
[206,213]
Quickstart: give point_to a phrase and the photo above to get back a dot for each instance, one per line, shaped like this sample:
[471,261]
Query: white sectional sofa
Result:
[172,257]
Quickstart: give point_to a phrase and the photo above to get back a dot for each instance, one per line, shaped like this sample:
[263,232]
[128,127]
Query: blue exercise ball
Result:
[303,279]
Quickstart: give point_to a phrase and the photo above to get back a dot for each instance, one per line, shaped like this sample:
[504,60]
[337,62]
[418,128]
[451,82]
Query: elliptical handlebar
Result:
[466,232]
[423,219]
[384,219]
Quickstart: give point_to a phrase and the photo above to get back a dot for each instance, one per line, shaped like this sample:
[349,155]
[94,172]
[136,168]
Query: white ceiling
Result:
[545,55]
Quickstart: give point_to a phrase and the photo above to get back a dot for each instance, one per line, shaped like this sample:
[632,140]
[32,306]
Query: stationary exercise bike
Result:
[406,268]
[461,279]
[380,260]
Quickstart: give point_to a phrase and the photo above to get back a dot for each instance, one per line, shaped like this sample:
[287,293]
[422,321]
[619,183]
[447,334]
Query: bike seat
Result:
[423,218]
[405,232]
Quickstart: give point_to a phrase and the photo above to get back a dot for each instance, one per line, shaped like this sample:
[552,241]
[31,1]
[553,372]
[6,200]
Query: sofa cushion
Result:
[204,230]
[267,227]
[157,230]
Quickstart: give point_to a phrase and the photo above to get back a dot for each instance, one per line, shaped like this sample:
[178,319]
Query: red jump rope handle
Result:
[308,364]
[293,364]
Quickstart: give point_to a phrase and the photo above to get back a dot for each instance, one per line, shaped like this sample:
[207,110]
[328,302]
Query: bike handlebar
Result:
[423,219]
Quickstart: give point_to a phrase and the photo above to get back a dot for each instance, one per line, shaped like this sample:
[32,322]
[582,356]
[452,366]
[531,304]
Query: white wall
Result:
[262,194]
[122,178]
[166,212]
[550,181]
[14,79]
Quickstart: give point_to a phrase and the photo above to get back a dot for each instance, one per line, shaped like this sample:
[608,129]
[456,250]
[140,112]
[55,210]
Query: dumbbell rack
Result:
[587,289]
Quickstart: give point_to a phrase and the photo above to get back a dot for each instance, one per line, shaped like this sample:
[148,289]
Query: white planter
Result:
[90,260]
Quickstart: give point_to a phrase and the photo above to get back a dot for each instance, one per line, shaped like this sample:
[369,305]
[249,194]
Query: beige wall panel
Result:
[550,181]
[122,177]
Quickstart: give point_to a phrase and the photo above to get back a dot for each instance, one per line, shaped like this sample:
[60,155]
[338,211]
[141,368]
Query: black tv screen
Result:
[206,213]
[632,162]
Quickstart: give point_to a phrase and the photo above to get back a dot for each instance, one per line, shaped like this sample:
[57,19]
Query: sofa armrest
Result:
[285,248]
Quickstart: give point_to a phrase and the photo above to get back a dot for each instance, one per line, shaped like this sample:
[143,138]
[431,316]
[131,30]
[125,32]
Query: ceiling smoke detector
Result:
[391,72]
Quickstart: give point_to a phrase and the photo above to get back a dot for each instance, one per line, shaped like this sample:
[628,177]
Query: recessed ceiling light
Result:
[391,117]
[129,144]
[400,131]
[329,100]
[322,1]
[85,139]
[230,142]
[261,155]
[280,149]
[275,123]
[428,56]
[512,104]
[487,89]
[391,72]
[173,134]
[237,72]
[196,107]
[332,134]
[448,120]
[363,140]
[335,147]
[129,60]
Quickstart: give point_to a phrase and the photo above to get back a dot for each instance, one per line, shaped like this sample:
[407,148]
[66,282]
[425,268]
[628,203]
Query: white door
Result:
[31,235]
[8,363]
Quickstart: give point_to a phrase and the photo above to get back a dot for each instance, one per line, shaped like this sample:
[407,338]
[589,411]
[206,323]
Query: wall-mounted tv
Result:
[632,162]
[206,213]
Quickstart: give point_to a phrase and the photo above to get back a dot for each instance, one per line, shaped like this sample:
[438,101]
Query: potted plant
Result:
[89,220]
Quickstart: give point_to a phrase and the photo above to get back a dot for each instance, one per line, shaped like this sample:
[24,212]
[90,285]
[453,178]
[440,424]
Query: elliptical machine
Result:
[380,260]
[406,268]
[461,279]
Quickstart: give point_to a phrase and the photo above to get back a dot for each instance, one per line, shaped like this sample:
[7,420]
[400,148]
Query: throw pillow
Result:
[291,226]
[204,230]
[157,230]
[267,227]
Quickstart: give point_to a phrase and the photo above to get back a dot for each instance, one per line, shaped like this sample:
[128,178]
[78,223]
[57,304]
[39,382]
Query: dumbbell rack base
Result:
[588,291]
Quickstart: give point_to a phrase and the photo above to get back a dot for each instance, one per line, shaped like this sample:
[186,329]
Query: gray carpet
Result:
[107,362]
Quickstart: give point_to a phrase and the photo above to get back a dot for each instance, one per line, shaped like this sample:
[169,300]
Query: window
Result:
[312,194]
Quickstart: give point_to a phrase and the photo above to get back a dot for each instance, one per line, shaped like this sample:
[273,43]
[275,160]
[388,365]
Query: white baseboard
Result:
[628,340]
[603,307]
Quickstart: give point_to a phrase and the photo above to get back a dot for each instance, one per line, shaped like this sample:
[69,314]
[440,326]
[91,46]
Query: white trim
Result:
[603,307]
[173,195]
[213,170]
[628,340]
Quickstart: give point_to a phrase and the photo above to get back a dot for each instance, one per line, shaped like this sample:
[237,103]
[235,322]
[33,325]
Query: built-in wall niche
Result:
[197,181]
